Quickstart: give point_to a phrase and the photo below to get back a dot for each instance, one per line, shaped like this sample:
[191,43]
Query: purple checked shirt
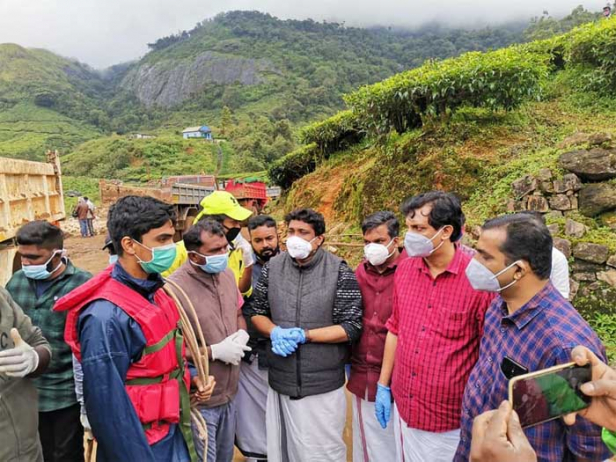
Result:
[541,334]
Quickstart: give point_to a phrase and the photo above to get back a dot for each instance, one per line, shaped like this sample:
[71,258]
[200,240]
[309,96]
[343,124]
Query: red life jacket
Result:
[157,384]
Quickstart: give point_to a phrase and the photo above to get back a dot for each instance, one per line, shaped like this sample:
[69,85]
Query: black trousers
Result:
[62,435]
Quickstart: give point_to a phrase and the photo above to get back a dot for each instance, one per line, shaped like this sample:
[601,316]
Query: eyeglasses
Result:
[511,368]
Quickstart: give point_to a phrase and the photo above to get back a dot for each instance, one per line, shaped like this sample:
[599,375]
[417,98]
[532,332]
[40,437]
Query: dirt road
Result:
[86,253]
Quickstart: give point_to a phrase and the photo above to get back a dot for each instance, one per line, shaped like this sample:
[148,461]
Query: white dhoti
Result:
[308,429]
[251,402]
[371,443]
[414,445]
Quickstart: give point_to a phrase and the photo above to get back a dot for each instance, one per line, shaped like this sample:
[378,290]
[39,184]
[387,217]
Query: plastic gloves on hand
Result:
[382,407]
[20,360]
[247,252]
[231,350]
[285,341]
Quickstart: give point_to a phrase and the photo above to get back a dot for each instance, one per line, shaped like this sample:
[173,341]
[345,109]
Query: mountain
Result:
[255,79]
[45,102]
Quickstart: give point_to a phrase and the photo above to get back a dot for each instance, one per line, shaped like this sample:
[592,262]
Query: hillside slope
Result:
[542,139]
[45,102]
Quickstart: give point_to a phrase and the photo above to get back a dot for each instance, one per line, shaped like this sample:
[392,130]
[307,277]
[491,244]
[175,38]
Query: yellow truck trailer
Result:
[28,191]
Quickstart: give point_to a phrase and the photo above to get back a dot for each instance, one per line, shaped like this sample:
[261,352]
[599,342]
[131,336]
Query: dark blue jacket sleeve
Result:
[110,341]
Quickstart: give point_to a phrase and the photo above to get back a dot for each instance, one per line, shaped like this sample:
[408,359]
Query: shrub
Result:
[333,134]
[293,166]
[500,79]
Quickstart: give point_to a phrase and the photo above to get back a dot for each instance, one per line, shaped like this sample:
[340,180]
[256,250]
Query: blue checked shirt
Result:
[541,334]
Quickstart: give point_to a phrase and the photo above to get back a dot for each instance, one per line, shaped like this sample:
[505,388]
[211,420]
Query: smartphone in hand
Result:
[548,394]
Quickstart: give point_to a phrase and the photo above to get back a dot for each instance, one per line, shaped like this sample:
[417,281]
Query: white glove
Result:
[247,252]
[241,337]
[229,351]
[20,360]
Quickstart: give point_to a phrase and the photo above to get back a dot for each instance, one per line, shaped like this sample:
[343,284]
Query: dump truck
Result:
[185,198]
[185,193]
[28,191]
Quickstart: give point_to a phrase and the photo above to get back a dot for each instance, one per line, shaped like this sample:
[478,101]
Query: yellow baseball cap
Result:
[223,203]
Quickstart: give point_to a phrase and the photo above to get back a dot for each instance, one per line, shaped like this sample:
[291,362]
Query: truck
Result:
[28,191]
[186,193]
[185,197]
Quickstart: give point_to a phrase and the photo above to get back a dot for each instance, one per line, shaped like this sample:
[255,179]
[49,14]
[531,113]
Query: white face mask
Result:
[377,254]
[299,248]
[418,245]
[481,278]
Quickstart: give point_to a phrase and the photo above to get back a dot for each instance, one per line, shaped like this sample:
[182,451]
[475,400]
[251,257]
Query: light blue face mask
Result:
[113,259]
[214,264]
[162,258]
[40,272]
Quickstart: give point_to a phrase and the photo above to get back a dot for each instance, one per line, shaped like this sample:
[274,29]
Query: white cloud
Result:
[105,32]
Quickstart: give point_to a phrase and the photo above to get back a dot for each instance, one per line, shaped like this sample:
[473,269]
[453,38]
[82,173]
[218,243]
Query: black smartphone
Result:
[548,394]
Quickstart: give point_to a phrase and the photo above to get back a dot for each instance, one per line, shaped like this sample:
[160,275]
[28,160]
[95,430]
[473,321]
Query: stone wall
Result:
[584,193]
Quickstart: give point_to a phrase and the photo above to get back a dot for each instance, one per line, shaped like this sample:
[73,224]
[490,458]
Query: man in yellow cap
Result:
[224,208]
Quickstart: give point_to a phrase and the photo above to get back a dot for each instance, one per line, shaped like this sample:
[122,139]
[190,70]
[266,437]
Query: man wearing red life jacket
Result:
[125,331]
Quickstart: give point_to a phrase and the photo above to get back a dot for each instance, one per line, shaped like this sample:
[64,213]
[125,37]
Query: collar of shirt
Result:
[144,287]
[455,265]
[522,317]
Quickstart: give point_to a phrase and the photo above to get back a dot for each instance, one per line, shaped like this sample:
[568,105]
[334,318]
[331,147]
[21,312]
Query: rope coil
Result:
[199,355]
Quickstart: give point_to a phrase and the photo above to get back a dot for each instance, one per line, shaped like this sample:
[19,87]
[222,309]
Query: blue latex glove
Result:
[285,341]
[382,406]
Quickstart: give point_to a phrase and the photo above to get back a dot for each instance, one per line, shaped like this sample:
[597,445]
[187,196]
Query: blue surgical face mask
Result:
[214,264]
[162,258]
[40,272]
[113,259]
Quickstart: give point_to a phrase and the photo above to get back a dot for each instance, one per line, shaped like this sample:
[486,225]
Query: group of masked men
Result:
[418,334]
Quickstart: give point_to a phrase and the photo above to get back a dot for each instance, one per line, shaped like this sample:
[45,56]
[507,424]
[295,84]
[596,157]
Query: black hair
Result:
[309,216]
[527,239]
[192,238]
[382,218]
[261,220]
[134,216]
[42,234]
[220,217]
[446,210]
[533,214]
[85,198]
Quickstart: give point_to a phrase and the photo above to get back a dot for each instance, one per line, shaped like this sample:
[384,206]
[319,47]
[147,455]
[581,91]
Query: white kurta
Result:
[308,429]
[415,445]
[251,401]
[371,443]
[560,273]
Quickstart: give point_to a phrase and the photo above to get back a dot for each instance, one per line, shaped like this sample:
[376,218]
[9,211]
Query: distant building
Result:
[198,132]
[141,136]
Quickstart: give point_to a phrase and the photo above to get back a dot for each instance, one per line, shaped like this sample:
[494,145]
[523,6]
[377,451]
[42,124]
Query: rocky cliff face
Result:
[168,83]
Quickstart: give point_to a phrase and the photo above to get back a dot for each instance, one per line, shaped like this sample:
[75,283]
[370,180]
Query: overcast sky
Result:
[106,32]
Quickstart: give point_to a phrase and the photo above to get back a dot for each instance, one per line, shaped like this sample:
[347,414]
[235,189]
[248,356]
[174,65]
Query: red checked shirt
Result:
[439,323]
[377,294]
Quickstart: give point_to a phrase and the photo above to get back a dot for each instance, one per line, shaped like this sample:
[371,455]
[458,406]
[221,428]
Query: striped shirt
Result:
[541,334]
[439,322]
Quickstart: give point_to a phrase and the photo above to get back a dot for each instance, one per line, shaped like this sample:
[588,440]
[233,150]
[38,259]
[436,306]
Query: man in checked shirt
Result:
[434,332]
[529,323]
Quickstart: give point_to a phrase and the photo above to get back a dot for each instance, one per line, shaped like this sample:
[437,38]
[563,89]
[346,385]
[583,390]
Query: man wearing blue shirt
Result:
[124,330]
[531,324]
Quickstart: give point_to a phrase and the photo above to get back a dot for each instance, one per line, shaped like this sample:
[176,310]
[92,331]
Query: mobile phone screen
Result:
[544,397]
